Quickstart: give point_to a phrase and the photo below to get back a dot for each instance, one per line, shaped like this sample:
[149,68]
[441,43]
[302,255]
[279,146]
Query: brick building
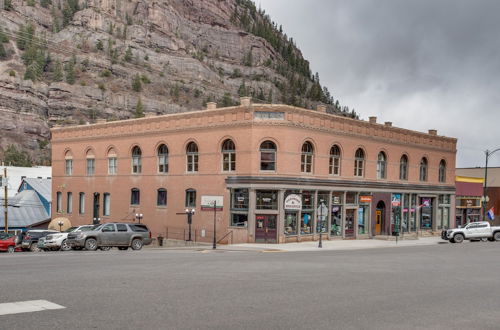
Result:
[284,173]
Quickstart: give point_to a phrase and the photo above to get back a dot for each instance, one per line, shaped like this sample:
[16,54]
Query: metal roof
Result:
[24,209]
[42,186]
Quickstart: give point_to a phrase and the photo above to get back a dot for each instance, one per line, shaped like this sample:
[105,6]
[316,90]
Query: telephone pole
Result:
[6,212]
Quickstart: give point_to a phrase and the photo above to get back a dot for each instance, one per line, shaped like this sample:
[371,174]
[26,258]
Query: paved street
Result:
[439,286]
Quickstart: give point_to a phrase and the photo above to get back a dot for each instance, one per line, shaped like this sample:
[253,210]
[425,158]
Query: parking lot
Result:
[440,286]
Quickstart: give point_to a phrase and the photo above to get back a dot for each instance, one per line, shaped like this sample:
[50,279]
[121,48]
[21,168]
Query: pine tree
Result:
[70,73]
[139,109]
[99,45]
[58,71]
[128,55]
[136,83]
[3,52]
[3,37]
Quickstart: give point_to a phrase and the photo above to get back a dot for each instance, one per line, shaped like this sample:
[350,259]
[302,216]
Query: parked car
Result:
[58,240]
[473,231]
[9,244]
[30,240]
[117,234]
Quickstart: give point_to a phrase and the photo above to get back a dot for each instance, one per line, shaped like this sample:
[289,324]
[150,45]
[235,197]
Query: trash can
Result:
[160,240]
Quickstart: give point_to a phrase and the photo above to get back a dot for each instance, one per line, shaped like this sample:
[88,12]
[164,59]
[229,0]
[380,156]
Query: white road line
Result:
[27,306]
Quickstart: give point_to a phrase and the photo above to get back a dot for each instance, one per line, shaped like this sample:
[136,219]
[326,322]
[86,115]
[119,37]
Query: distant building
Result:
[468,199]
[30,207]
[284,174]
[16,174]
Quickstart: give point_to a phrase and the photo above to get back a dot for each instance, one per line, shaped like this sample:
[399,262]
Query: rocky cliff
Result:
[75,61]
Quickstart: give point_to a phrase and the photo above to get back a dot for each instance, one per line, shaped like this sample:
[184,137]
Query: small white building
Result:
[16,175]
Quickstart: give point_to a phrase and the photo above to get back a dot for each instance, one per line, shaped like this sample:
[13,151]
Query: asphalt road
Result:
[443,286]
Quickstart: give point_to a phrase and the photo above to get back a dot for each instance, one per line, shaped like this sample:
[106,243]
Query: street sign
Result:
[293,202]
[322,212]
[207,203]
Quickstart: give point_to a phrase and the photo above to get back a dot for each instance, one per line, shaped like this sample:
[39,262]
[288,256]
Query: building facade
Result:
[282,173]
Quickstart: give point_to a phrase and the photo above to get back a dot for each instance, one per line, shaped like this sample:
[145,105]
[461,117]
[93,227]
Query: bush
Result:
[136,83]
[14,157]
[101,86]
[12,73]
[105,73]
[145,79]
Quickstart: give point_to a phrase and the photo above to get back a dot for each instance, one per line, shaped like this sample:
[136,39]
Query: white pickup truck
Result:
[473,231]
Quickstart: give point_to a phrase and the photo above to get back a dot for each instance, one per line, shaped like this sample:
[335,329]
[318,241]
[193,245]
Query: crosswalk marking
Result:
[27,306]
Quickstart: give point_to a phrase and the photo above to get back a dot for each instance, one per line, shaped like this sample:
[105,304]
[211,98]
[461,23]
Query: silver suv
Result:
[119,234]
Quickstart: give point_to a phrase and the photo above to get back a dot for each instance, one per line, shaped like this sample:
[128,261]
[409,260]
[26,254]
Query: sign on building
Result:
[365,199]
[207,203]
[293,202]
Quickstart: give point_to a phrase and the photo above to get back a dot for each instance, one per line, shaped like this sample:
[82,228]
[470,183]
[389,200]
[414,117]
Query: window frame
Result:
[442,171]
[136,160]
[112,165]
[68,170]
[106,204]
[307,157]
[190,198]
[69,202]
[359,163]
[162,158]
[228,150]
[158,191]
[423,169]
[192,157]
[403,168]
[334,161]
[90,166]
[268,151]
[381,166]
[137,193]
[81,203]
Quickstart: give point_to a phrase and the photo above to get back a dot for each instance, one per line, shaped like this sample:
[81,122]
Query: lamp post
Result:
[214,246]
[320,222]
[60,223]
[96,221]
[488,153]
[190,221]
[139,216]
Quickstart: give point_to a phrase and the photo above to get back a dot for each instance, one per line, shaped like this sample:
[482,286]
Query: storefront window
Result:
[413,212]
[363,211]
[307,200]
[306,223]
[406,213]
[322,211]
[266,200]
[443,216]
[351,197]
[336,216]
[239,219]
[396,213]
[239,199]
[426,213]
[290,223]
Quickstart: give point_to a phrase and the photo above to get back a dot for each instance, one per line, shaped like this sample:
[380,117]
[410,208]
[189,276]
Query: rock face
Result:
[183,53]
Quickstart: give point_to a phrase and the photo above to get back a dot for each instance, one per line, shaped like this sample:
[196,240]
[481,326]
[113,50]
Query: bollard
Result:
[160,240]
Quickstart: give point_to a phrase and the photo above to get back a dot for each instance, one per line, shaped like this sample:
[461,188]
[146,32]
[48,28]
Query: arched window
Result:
[442,171]
[268,156]
[136,160]
[161,199]
[112,161]
[190,198]
[403,168]
[135,196]
[423,169]
[381,165]
[335,160]
[228,156]
[306,159]
[68,163]
[192,157]
[359,163]
[90,162]
[162,153]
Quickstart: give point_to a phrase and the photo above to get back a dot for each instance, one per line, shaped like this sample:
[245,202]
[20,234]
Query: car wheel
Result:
[136,244]
[496,236]
[65,246]
[91,244]
[452,240]
[105,248]
[34,248]
[11,249]
[123,248]
[459,238]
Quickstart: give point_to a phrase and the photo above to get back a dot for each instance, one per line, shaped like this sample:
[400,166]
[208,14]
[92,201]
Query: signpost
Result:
[213,203]
[322,214]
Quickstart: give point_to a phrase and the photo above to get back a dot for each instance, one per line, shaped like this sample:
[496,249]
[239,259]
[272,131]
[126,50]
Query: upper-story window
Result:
[359,163]
[381,165]
[442,171]
[162,154]
[228,156]
[59,202]
[112,162]
[268,156]
[161,197]
[403,168]
[423,169]
[192,157]
[135,196]
[335,160]
[190,198]
[136,160]
[306,158]
[90,162]
[68,163]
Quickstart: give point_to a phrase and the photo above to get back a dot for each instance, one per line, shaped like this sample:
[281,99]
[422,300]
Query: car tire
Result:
[91,244]
[105,248]
[136,244]
[34,248]
[458,238]
[65,246]
[123,248]
[496,236]
[11,249]
[452,240]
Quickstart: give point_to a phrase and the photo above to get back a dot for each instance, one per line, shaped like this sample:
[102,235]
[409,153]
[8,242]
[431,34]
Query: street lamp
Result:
[485,191]
[320,222]
[60,223]
[190,221]
[97,221]
[139,216]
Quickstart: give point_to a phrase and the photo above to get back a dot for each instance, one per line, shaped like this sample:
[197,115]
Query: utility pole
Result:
[6,211]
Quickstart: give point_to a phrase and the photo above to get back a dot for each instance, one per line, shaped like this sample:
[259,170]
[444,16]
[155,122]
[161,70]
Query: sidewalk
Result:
[331,245]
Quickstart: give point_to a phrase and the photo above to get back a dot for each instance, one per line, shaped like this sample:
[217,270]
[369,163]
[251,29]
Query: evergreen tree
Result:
[3,37]
[128,55]
[99,45]
[14,157]
[58,71]
[70,73]
[227,100]
[139,109]
[136,83]
[3,52]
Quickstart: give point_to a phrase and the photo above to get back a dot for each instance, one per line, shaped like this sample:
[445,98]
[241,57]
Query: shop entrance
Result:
[350,222]
[265,228]
[379,218]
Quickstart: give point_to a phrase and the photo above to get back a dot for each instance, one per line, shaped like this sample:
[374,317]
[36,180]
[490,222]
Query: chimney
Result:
[433,132]
[321,108]
[150,114]
[373,120]
[388,123]
[100,121]
[211,105]
[245,101]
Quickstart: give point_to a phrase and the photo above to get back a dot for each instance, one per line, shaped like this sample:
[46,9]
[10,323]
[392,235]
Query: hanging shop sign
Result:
[365,199]
[207,203]
[396,200]
[293,202]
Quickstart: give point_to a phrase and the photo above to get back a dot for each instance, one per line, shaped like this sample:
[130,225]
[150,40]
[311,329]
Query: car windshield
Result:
[69,230]
[98,227]
[88,228]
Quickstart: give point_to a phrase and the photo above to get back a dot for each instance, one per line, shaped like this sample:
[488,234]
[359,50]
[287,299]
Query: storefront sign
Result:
[293,202]
[426,202]
[336,199]
[365,199]
[207,203]
[469,203]
[396,200]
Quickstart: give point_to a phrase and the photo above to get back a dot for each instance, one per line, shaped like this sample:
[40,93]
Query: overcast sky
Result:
[421,64]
